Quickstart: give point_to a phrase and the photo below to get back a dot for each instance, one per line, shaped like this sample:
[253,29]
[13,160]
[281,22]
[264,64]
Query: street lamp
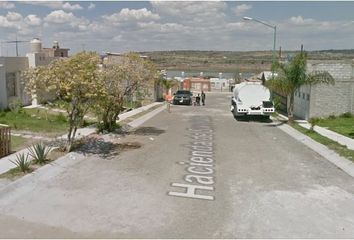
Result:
[275,34]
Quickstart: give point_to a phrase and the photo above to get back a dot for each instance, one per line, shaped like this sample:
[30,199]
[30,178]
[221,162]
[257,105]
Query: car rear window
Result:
[183,92]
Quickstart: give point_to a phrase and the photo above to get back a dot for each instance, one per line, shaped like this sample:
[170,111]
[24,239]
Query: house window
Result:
[62,54]
[308,97]
[11,84]
[303,95]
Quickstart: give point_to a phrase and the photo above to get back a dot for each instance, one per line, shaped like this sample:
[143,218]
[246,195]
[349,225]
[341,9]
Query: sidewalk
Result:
[341,162]
[343,140]
[6,164]
[331,135]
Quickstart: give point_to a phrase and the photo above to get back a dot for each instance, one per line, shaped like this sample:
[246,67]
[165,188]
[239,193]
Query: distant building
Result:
[197,84]
[219,84]
[11,68]
[56,51]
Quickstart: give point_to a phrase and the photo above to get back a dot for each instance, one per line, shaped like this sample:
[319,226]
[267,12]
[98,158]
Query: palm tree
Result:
[167,84]
[294,75]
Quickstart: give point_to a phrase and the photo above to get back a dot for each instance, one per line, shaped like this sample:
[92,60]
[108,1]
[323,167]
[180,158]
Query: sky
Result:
[123,26]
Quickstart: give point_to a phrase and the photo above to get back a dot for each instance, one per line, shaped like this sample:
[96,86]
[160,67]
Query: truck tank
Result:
[251,98]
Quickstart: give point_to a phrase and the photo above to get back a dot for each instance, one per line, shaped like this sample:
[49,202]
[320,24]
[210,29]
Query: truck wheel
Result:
[266,118]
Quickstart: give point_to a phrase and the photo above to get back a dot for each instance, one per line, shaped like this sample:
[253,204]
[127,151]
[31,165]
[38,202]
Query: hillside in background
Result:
[229,61]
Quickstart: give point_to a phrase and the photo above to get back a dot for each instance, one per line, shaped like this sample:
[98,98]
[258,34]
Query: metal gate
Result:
[5,140]
[283,102]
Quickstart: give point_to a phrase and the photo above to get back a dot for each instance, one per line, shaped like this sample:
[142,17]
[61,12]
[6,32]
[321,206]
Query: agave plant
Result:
[22,162]
[39,152]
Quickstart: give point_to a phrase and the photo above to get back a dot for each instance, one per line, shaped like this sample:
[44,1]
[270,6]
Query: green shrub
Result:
[277,102]
[22,162]
[61,118]
[39,152]
[15,105]
[314,121]
[332,117]
[346,115]
[102,128]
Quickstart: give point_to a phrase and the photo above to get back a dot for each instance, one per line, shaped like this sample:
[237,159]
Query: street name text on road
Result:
[200,167]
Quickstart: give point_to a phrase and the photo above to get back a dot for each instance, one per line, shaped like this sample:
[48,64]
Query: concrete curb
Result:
[28,182]
[137,122]
[331,135]
[339,161]
[133,112]
[339,138]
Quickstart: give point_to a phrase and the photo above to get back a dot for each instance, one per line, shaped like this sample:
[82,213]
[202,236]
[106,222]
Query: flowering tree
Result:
[132,75]
[74,81]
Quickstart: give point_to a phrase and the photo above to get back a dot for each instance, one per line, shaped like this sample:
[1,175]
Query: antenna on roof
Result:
[16,42]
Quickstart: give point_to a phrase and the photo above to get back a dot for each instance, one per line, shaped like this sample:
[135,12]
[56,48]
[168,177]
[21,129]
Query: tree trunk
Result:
[291,109]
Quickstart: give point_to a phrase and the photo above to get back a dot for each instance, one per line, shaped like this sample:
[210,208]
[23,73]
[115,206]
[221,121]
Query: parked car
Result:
[182,97]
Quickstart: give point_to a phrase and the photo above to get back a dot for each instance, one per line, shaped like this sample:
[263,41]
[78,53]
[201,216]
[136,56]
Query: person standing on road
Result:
[197,99]
[203,97]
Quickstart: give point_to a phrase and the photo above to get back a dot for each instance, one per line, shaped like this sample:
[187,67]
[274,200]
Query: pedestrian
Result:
[203,97]
[198,99]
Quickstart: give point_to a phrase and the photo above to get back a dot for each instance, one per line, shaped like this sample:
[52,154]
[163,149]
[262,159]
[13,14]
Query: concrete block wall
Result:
[334,99]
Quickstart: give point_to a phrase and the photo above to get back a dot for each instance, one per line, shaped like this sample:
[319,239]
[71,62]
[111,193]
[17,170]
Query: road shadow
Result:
[146,131]
[253,119]
[276,124]
[104,149]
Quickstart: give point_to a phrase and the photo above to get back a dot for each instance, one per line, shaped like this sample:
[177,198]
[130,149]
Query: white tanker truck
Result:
[251,98]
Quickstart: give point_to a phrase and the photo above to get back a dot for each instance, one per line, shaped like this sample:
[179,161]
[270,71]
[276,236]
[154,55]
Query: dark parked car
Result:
[183,97]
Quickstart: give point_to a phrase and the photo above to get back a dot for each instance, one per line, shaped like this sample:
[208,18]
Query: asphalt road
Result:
[198,174]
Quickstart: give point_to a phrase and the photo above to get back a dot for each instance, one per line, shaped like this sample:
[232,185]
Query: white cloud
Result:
[134,15]
[59,16]
[68,6]
[5,23]
[299,20]
[55,5]
[91,6]
[14,16]
[48,4]
[7,5]
[65,21]
[33,20]
[241,9]
[204,13]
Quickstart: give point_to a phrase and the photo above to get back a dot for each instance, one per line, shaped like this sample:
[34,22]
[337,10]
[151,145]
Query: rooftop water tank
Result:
[56,44]
[36,45]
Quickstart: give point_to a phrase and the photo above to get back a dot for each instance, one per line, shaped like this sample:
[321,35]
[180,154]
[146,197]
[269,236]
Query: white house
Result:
[11,87]
[11,68]
[220,84]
